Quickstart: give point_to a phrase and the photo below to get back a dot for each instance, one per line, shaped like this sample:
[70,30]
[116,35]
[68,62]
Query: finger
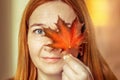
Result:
[74,63]
[77,66]
[69,72]
[70,57]
[64,76]
[71,75]
[90,74]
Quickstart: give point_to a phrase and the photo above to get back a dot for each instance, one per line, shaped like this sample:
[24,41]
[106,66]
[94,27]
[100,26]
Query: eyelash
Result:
[39,31]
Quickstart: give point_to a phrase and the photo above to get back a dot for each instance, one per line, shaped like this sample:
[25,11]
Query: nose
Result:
[52,50]
[47,41]
[56,50]
[48,49]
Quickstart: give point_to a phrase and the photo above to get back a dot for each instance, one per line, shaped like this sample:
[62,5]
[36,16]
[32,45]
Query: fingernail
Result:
[66,57]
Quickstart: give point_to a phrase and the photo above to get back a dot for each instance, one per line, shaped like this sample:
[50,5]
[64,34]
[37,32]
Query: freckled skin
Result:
[47,14]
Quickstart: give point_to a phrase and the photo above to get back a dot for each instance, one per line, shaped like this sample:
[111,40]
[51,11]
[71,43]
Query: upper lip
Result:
[53,51]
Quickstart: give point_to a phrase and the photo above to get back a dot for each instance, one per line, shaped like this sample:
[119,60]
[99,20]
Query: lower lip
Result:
[51,60]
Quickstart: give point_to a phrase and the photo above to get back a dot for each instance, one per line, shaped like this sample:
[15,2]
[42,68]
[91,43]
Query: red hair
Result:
[92,58]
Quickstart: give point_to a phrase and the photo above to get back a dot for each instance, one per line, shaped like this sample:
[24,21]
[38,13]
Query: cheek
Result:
[35,46]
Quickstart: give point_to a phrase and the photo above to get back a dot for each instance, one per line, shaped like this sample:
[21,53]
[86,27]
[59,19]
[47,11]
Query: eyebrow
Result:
[37,24]
[40,24]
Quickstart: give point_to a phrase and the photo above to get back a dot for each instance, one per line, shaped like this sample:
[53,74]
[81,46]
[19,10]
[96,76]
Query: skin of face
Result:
[48,61]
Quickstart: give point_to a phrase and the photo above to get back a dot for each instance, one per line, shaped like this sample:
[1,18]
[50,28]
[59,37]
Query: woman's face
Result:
[46,59]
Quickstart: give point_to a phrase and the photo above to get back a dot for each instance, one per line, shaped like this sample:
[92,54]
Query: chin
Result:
[53,72]
[51,69]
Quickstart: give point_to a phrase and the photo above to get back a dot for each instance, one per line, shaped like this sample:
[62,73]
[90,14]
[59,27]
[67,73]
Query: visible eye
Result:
[39,31]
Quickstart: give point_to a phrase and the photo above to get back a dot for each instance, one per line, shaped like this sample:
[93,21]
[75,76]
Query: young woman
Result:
[40,62]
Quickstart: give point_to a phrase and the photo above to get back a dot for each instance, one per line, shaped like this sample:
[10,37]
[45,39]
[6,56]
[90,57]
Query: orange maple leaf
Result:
[66,38]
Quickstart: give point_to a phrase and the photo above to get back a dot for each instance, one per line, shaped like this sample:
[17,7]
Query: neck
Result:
[45,76]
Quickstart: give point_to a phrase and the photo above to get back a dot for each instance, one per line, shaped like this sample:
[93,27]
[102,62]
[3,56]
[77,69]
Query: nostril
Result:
[56,50]
[49,49]
[60,50]
[52,50]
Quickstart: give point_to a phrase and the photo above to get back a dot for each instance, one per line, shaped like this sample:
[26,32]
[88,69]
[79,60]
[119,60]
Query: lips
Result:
[50,55]
[51,59]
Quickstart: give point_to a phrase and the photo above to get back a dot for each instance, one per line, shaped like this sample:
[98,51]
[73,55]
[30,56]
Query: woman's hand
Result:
[74,69]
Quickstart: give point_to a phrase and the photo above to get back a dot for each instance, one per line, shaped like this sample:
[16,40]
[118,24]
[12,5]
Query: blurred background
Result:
[104,13]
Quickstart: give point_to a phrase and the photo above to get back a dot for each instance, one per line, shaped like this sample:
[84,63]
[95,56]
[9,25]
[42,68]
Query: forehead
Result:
[48,13]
